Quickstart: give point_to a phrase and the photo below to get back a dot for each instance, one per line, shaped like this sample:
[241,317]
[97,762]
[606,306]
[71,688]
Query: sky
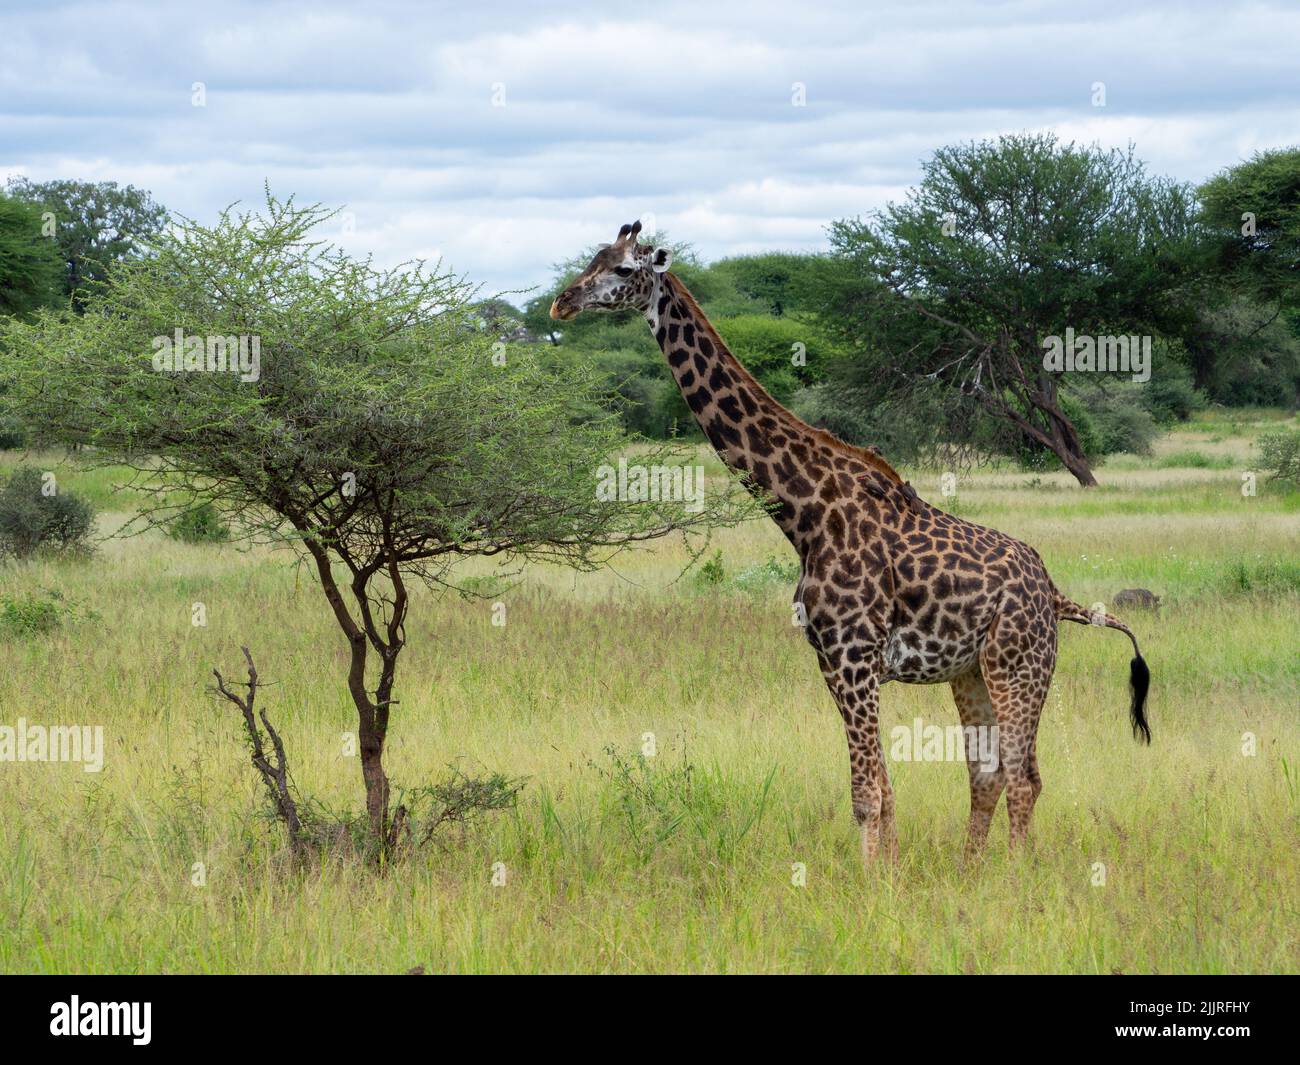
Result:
[505,137]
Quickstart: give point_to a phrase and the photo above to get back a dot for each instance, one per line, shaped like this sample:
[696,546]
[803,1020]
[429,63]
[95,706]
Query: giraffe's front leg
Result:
[856,690]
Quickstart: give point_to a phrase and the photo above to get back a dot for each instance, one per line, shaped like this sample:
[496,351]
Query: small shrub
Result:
[202,525]
[770,571]
[1122,424]
[36,614]
[461,800]
[1279,453]
[712,572]
[31,520]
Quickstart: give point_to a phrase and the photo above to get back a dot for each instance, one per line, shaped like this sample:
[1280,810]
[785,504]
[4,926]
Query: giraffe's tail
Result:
[1139,675]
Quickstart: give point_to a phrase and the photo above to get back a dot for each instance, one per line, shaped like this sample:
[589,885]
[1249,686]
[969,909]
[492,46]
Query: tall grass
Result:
[730,847]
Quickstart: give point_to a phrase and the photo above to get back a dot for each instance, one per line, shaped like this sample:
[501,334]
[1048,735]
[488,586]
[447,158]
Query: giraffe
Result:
[891,588]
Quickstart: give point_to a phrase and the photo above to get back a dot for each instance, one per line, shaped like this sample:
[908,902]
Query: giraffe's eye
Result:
[623,271]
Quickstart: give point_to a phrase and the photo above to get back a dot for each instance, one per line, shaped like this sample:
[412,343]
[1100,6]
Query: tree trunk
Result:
[372,716]
[1078,465]
[376,781]
[1063,438]
[1069,448]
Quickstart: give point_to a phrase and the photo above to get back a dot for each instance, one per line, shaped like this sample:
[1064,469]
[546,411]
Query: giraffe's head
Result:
[622,276]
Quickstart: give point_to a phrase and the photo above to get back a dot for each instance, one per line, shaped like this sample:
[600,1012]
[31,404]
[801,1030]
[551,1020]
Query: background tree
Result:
[498,316]
[379,435]
[1254,211]
[30,271]
[777,282]
[945,299]
[758,304]
[1245,347]
[95,224]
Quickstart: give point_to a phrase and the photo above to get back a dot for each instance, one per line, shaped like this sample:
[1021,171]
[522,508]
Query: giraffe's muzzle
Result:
[561,309]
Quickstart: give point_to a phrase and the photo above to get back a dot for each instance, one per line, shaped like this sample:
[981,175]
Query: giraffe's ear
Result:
[661,259]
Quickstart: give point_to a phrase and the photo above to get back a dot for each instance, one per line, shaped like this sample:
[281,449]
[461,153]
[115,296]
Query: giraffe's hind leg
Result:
[986,779]
[1017,663]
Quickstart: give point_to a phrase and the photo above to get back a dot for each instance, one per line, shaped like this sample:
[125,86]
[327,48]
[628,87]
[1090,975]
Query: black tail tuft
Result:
[1139,677]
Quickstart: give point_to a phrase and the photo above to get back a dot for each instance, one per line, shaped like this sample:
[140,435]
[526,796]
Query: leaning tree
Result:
[362,416]
[948,297]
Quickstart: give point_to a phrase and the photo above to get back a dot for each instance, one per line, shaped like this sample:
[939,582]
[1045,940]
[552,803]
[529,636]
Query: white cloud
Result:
[683,110]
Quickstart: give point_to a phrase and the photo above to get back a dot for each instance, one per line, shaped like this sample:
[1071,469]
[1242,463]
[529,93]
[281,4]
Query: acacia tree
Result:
[378,430]
[1003,244]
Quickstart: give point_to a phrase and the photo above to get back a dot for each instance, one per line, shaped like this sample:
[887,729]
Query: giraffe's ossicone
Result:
[891,587]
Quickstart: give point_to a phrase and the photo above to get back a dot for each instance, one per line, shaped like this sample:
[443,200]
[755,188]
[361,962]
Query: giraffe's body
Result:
[891,587]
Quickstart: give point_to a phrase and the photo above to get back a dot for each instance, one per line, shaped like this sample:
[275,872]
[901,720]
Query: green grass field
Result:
[688,860]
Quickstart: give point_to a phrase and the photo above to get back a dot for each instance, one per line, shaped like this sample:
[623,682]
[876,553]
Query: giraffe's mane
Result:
[823,436]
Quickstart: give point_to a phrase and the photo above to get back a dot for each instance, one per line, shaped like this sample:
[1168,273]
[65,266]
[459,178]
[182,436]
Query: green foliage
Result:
[656,801]
[382,380]
[748,299]
[1244,353]
[33,519]
[12,437]
[1003,244]
[1108,421]
[1262,577]
[376,430]
[770,346]
[777,283]
[37,614]
[1242,349]
[95,224]
[1195,460]
[1120,421]
[642,392]
[757,577]
[497,317]
[482,587]
[712,572]
[1279,453]
[1171,395]
[199,525]
[1260,254]
[461,800]
[30,268]
[904,429]
[771,570]
[1034,456]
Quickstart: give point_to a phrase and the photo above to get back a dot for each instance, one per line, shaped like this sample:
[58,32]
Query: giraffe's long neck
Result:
[750,430]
